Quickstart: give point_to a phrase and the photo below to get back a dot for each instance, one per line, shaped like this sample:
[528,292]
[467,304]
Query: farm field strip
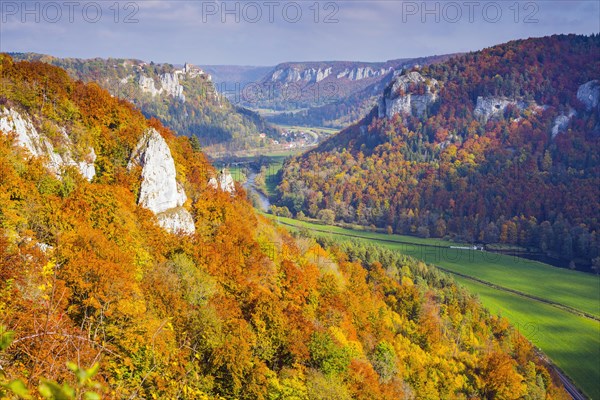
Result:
[570,341]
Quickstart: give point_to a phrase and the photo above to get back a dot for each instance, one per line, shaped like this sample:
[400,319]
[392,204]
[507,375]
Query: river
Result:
[263,200]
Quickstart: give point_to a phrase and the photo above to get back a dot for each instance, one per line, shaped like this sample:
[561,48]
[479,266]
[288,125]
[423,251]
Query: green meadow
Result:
[572,342]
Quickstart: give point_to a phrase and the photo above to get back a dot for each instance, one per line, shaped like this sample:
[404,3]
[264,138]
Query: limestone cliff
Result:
[295,74]
[409,94]
[168,83]
[39,145]
[491,106]
[291,73]
[159,191]
[224,181]
[561,122]
[358,73]
[589,94]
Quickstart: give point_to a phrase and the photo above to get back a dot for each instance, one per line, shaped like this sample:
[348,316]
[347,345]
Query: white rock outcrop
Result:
[27,135]
[292,74]
[491,106]
[224,181]
[86,166]
[561,122]
[401,98]
[589,94]
[147,85]
[358,73]
[295,74]
[177,220]
[38,145]
[322,74]
[308,75]
[160,192]
[58,161]
[168,83]
[287,75]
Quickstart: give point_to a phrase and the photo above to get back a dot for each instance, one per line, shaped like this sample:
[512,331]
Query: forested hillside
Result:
[183,99]
[235,307]
[496,146]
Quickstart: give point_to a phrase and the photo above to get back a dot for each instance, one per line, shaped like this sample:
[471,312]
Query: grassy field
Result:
[572,289]
[572,341]
[364,232]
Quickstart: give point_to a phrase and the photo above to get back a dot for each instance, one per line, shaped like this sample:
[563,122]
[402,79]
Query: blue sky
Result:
[269,32]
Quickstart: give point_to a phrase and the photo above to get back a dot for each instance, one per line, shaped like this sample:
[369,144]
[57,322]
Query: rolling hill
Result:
[496,146]
[344,92]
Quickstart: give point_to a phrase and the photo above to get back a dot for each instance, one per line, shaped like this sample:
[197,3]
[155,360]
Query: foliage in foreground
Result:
[238,310]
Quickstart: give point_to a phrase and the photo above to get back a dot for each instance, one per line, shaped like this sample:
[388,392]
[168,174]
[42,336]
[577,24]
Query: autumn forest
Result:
[131,267]
[526,174]
[238,309]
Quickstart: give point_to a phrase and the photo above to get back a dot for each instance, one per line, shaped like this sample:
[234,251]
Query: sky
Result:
[271,31]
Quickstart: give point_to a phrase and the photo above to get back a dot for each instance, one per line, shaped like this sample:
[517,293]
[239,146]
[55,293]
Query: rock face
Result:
[561,122]
[27,136]
[356,74]
[224,181]
[320,75]
[147,85]
[409,94]
[488,107]
[589,94]
[160,192]
[86,167]
[315,74]
[38,145]
[177,220]
[169,84]
[293,74]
